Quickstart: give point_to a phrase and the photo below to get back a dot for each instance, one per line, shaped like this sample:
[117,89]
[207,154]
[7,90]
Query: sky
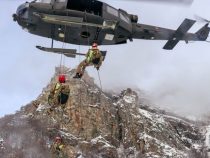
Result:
[177,80]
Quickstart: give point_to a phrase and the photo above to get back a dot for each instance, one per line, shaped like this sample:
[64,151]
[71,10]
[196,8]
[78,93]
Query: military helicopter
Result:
[83,22]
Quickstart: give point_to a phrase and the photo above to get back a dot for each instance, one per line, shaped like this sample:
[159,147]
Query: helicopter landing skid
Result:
[67,52]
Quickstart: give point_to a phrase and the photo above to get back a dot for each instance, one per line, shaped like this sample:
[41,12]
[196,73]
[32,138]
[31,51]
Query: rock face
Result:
[94,124]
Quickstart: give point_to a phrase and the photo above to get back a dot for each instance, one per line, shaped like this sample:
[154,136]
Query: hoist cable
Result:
[62,58]
[99,80]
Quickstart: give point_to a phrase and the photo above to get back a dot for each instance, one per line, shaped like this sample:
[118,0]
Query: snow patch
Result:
[80,156]
[68,135]
[167,150]
[94,106]
[100,139]
[129,99]
[95,91]
[42,107]
[207,135]
[145,113]
[25,116]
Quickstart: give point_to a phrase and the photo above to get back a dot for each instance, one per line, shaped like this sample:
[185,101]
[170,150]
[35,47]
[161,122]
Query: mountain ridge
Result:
[94,124]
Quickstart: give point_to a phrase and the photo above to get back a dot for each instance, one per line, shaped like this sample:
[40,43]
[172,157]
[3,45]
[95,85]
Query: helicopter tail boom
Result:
[148,32]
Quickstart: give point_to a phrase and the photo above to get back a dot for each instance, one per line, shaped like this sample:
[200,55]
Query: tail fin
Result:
[179,34]
[203,33]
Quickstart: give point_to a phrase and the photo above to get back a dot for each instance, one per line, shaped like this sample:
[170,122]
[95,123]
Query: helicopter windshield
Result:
[22,10]
[43,1]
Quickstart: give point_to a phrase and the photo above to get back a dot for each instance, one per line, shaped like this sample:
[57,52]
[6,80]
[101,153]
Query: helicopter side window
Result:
[124,18]
[61,1]
[112,11]
[43,1]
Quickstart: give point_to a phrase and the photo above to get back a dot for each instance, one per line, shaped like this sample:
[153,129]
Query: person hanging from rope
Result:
[59,94]
[57,148]
[93,57]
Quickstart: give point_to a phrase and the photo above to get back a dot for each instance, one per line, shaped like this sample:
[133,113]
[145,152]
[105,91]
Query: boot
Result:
[78,75]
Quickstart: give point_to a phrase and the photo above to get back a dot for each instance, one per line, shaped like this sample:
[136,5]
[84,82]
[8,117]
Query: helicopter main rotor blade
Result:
[179,2]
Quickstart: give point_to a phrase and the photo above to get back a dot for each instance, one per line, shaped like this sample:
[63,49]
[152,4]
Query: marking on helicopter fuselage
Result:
[109,37]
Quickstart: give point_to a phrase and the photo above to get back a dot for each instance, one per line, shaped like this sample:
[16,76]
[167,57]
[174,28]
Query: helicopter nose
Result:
[22,12]
[23,18]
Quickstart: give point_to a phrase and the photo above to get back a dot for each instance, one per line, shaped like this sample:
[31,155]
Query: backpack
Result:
[59,94]
[63,94]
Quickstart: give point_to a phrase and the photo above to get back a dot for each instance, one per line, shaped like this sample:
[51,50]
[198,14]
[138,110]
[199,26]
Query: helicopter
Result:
[84,22]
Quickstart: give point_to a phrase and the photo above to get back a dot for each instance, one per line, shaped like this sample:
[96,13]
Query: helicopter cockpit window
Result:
[112,11]
[43,1]
[124,18]
[60,0]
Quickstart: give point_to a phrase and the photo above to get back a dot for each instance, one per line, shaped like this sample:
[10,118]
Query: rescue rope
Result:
[89,47]
[62,57]
[62,63]
[80,92]
[99,80]
[87,30]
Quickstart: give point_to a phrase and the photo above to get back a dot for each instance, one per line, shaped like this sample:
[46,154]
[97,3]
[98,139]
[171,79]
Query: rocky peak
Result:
[95,124]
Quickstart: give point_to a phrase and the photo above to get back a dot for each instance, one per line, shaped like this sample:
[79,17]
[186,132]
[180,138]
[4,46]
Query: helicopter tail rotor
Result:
[203,33]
